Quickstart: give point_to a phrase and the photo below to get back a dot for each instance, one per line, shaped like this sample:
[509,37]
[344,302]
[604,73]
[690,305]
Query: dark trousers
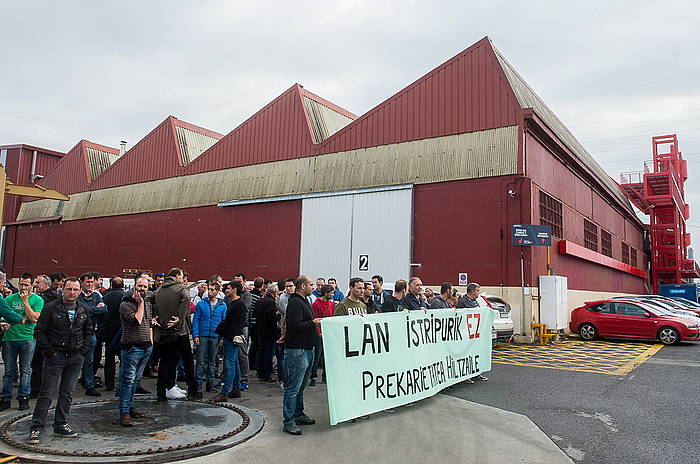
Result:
[318,357]
[252,348]
[97,353]
[59,371]
[266,352]
[37,364]
[110,370]
[170,354]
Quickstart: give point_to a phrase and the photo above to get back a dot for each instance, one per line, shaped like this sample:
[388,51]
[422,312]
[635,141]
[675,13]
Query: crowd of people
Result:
[60,330]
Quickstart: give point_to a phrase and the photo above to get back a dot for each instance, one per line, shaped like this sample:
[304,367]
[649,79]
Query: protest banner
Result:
[381,361]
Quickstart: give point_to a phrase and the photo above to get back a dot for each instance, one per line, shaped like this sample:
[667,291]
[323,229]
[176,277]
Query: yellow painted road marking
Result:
[632,365]
[598,357]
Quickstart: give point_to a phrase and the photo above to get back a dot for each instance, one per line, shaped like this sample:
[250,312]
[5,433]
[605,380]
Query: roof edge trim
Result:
[304,196]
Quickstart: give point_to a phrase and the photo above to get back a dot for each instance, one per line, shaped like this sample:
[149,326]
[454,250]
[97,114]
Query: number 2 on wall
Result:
[364,262]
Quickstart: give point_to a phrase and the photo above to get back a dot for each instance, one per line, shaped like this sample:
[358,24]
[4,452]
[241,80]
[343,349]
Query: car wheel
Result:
[588,331]
[669,336]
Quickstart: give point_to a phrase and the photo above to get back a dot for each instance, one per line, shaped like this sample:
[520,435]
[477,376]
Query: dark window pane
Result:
[551,214]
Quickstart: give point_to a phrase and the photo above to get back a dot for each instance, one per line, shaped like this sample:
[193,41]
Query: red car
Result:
[631,319]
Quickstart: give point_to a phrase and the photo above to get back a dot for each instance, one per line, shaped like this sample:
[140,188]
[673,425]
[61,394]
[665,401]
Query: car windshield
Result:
[688,302]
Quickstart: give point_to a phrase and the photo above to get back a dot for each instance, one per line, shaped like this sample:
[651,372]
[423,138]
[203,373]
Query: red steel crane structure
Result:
[658,191]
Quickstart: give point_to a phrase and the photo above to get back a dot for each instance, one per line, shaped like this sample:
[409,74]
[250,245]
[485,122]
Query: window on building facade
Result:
[625,253]
[633,257]
[550,214]
[606,243]
[590,235]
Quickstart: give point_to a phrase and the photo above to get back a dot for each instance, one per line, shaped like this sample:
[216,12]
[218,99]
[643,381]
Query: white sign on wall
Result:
[462,278]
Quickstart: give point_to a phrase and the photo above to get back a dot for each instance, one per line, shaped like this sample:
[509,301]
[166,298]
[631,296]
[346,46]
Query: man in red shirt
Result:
[322,307]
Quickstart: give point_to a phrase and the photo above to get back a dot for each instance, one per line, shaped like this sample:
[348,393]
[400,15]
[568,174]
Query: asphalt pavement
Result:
[647,416]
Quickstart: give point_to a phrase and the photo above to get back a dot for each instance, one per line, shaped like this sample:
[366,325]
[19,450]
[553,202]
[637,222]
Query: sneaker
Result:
[234,394]
[244,386]
[312,383]
[174,394]
[292,429]
[483,378]
[5,404]
[65,431]
[177,388]
[92,392]
[33,438]
[304,420]
[23,403]
[469,381]
[141,391]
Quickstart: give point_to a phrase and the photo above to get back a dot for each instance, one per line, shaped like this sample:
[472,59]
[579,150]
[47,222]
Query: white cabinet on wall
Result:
[554,301]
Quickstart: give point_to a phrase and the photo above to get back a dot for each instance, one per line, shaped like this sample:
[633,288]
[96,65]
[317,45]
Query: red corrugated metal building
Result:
[24,164]
[464,153]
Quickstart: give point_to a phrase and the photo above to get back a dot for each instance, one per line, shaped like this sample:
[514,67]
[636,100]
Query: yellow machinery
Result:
[24,190]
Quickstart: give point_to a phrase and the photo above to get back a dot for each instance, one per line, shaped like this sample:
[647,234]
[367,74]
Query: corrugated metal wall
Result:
[467,93]
[324,121]
[279,131]
[83,163]
[464,156]
[192,144]
[99,160]
[165,239]
[18,166]
[156,156]
[527,98]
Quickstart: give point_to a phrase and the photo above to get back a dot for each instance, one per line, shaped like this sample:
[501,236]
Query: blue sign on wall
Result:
[532,235]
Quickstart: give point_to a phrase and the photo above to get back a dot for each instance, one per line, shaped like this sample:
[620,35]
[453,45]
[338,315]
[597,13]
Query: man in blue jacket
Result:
[208,313]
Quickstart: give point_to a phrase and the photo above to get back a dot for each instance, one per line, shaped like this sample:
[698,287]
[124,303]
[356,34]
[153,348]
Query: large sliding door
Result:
[357,235]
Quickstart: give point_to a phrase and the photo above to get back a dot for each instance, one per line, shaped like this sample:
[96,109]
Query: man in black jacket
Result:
[267,332]
[63,334]
[299,355]
[109,328]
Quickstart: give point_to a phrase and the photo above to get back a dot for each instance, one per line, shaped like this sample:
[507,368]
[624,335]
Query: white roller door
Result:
[357,235]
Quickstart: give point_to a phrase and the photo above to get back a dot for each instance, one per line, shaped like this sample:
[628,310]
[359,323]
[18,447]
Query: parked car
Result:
[618,318]
[687,302]
[503,322]
[675,303]
[665,305]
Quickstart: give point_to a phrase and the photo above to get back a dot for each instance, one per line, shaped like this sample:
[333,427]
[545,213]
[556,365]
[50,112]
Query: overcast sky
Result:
[616,73]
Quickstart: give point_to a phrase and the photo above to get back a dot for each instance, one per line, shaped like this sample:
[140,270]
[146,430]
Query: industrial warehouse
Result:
[428,183]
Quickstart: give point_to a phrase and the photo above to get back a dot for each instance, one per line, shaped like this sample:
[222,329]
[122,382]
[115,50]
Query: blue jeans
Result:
[206,359]
[298,363]
[24,349]
[232,381]
[88,372]
[279,354]
[132,364]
